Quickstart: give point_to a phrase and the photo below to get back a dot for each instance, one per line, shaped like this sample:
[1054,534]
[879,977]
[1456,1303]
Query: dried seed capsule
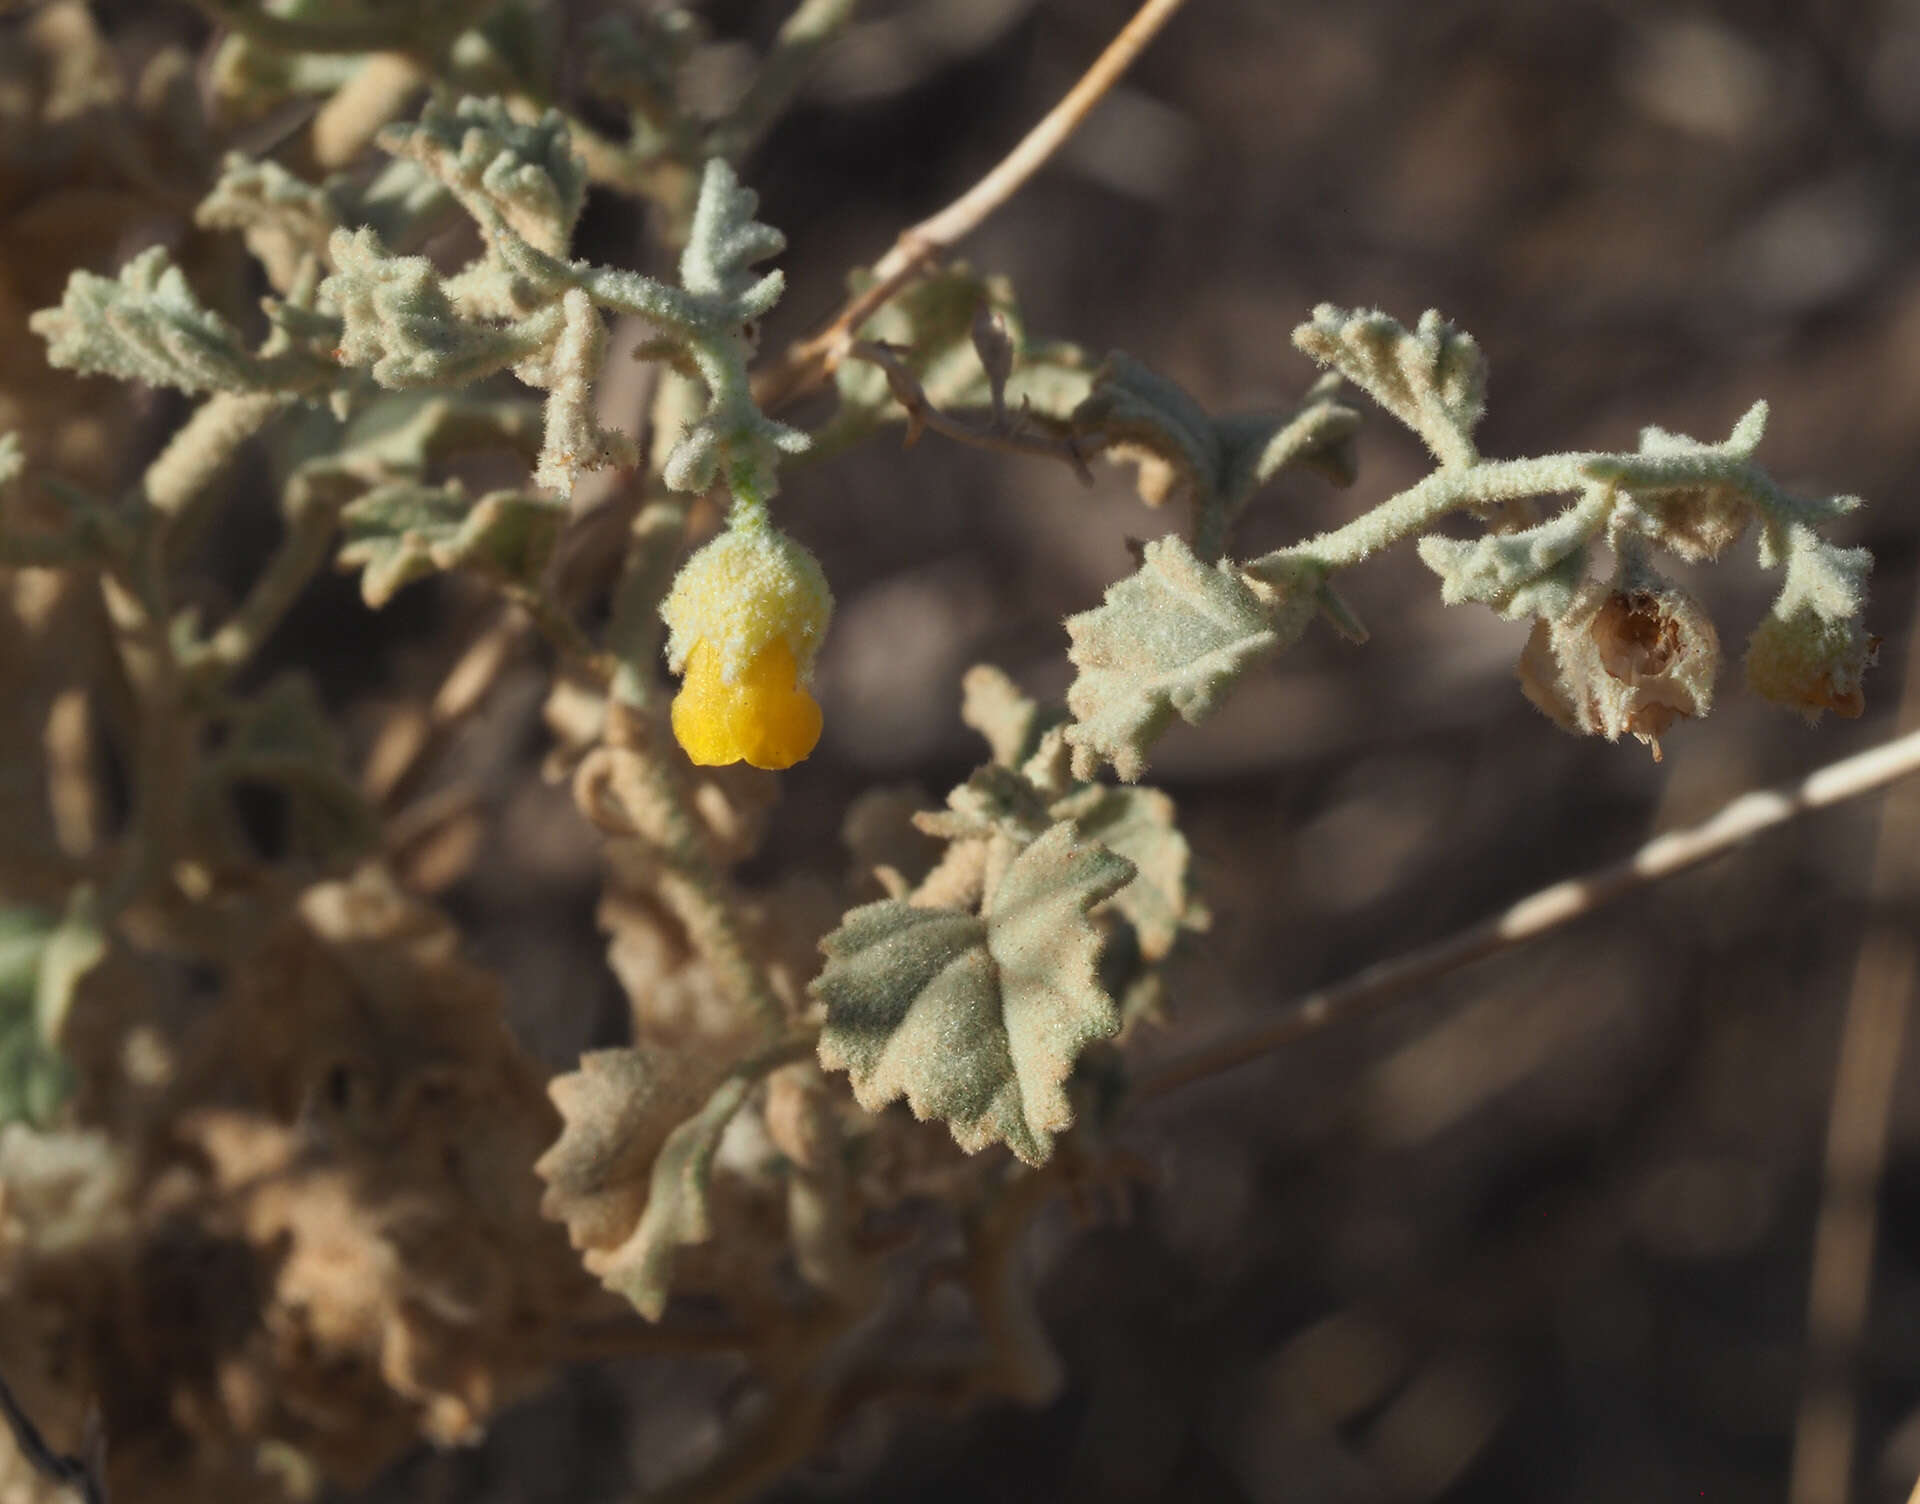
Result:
[1627,659]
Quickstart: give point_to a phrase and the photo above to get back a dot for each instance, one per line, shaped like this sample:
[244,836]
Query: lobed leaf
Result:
[518,173]
[977,1019]
[724,243]
[402,531]
[147,325]
[630,1171]
[1432,377]
[1139,824]
[1168,640]
[1534,572]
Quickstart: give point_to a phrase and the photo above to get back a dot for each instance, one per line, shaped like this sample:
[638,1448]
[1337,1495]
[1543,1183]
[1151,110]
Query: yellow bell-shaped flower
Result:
[746,616]
[764,717]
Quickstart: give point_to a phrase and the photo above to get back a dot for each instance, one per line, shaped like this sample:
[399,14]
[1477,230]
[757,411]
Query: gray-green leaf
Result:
[1168,640]
[977,1019]
[402,531]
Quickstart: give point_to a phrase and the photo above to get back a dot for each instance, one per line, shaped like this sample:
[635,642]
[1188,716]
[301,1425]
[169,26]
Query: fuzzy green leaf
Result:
[502,170]
[994,800]
[1433,377]
[282,218]
[403,531]
[724,244]
[147,325]
[977,1019]
[399,323]
[992,705]
[1534,572]
[1215,464]
[1168,640]
[1139,824]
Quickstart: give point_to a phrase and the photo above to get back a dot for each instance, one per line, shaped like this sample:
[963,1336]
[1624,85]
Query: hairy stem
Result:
[655,809]
[204,444]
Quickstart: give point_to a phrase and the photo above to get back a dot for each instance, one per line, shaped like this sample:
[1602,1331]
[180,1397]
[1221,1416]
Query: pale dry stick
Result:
[922,414]
[1737,823]
[1872,1031]
[810,362]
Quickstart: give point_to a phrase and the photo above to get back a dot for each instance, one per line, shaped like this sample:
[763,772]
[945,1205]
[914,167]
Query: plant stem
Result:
[1738,822]
[204,444]
[658,812]
[809,363]
[1417,508]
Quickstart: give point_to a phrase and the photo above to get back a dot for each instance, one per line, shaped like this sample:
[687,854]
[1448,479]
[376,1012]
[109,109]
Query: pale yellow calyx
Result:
[748,589]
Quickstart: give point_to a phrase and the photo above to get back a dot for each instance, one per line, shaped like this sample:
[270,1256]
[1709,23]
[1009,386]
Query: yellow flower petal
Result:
[764,717]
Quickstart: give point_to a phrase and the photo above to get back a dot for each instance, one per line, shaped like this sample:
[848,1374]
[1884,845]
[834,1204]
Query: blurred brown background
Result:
[1543,1232]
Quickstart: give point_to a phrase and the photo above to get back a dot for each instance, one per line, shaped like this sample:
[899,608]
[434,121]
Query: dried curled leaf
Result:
[403,531]
[633,1169]
[1168,640]
[977,1019]
[932,328]
[1217,464]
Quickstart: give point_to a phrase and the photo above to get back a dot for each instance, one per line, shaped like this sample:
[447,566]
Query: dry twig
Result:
[810,362]
[1739,822]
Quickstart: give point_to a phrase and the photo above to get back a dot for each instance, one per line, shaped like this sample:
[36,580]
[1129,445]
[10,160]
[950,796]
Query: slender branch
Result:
[922,414]
[809,363]
[648,803]
[301,555]
[1739,822]
[82,1474]
[204,444]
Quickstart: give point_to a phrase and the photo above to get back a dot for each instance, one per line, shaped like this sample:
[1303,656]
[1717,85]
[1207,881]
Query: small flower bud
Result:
[1631,658]
[745,617]
[1810,663]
